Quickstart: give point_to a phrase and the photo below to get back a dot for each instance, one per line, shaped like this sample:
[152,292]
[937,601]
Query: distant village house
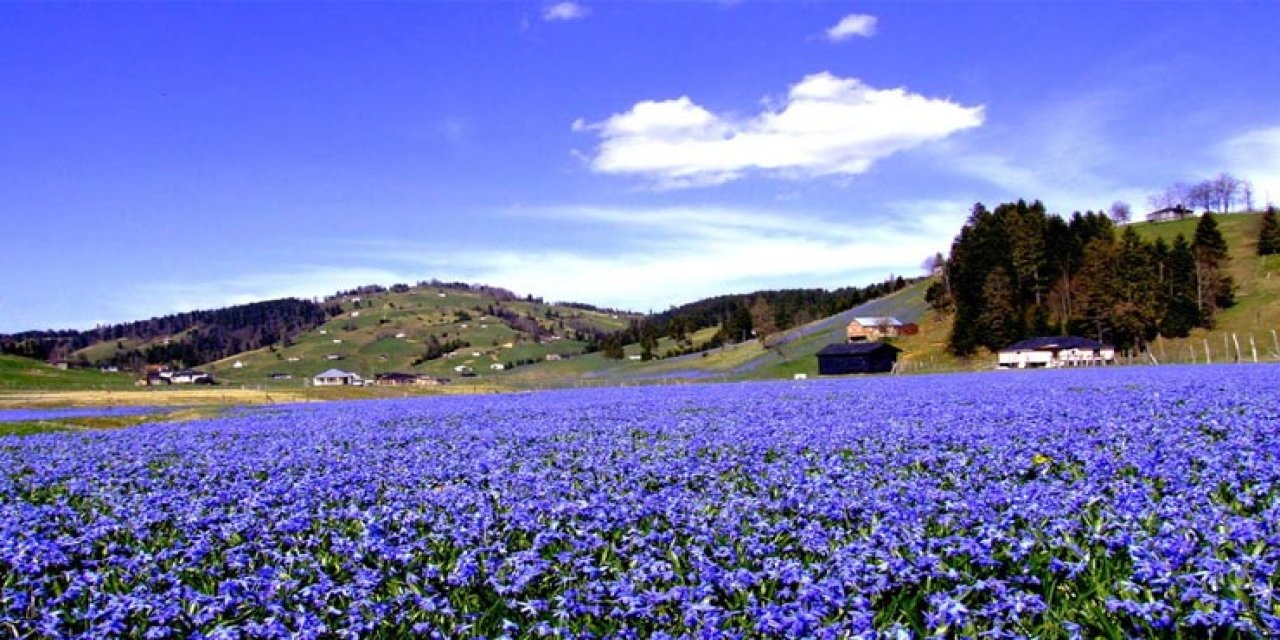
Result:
[396,379]
[1054,352]
[872,329]
[1167,214]
[335,378]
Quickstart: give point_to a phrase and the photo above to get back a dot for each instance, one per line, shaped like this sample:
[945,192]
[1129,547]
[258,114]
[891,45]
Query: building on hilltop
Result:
[857,357]
[1052,352]
[1177,212]
[871,329]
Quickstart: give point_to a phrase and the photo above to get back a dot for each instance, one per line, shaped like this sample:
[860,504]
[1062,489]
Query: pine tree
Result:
[999,318]
[1214,288]
[1181,313]
[1098,297]
[1269,234]
[1136,312]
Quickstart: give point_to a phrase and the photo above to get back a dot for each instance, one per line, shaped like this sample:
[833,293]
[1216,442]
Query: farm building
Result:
[1166,214]
[857,357]
[1055,351]
[395,379]
[875,328]
[335,378]
[190,376]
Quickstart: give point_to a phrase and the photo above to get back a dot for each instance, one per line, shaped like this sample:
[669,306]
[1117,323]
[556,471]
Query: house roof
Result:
[856,348]
[1054,342]
[396,375]
[876,321]
[335,373]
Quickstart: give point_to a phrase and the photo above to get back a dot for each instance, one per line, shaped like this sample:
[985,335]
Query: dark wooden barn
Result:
[857,357]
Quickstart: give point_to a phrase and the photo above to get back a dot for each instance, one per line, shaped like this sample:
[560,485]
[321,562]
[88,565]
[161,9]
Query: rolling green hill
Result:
[392,330]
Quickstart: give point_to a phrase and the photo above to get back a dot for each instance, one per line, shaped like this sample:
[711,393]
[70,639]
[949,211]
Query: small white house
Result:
[401,336]
[355,314]
[335,378]
[497,366]
[237,365]
[293,359]
[337,340]
[1054,352]
[189,376]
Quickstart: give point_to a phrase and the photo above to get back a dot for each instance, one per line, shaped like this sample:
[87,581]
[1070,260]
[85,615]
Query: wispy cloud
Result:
[693,252]
[1255,156]
[1065,153]
[853,25]
[827,125]
[564,11]
[660,257]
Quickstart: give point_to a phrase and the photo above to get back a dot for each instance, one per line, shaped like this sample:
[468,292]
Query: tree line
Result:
[1017,271]
[1220,194]
[740,317]
[194,337]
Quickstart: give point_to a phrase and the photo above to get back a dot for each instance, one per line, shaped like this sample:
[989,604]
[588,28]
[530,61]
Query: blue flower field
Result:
[1125,502]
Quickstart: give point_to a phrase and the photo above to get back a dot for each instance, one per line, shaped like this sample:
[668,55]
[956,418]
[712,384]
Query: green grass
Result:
[26,374]
[391,330]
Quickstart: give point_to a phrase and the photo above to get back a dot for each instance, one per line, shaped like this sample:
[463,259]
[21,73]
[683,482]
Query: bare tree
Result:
[933,264]
[1225,189]
[1120,212]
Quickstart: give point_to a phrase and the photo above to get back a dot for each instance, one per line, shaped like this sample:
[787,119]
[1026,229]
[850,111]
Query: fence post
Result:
[1208,359]
[1254,348]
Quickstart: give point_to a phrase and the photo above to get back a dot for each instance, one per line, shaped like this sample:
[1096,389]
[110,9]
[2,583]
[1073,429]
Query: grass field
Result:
[25,374]
[388,331]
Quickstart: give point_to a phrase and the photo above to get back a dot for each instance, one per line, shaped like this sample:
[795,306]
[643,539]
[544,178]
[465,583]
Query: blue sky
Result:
[163,157]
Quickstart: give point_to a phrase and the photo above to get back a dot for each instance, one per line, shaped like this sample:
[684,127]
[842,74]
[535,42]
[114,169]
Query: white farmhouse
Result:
[335,378]
[1055,351]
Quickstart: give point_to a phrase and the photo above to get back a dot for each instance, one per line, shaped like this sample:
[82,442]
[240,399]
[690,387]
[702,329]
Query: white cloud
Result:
[853,25]
[564,11]
[827,125]
[689,253]
[1255,156]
